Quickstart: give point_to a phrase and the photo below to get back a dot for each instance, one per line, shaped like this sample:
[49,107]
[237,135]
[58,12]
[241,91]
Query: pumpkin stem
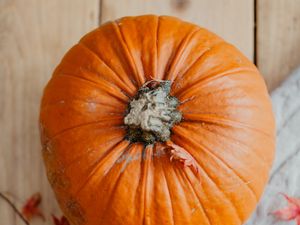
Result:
[152,113]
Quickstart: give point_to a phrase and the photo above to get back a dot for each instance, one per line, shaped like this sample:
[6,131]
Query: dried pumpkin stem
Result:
[182,155]
[152,113]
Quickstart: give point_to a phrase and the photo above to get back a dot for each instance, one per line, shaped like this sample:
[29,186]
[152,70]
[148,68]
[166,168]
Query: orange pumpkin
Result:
[152,120]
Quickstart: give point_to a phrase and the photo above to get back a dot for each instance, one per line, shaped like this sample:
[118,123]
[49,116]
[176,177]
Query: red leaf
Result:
[62,221]
[291,212]
[298,220]
[30,209]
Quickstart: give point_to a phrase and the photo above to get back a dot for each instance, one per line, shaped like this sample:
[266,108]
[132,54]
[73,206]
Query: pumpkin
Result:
[153,120]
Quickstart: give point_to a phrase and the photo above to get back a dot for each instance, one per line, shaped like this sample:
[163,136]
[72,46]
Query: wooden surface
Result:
[34,34]
[218,16]
[278,39]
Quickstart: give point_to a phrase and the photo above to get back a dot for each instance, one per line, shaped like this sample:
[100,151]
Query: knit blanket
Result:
[285,174]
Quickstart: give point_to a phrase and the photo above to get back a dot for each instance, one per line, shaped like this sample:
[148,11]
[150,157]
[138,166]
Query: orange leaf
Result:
[291,212]
[30,209]
[62,221]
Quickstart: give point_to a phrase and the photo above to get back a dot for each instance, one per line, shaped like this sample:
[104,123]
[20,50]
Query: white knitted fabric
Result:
[285,174]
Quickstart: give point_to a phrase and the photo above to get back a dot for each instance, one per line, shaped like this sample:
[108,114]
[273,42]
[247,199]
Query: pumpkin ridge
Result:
[98,79]
[97,165]
[78,115]
[263,163]
[147,178]
[115,72]
[129,145]
[221,161]
[210,78]
[175,49]
[119,126]
[259,158]
[116,80]
[128,165]
[202,54]
[156,45]
[141,185]
[160,189]
[179,173]
[140,79]
[234,207]
[112,93]
[196,97]
[111,195]
[73,101]
[169,194]
[172,57]
[78,158]
[189,182]
[178,55]
[213,119]
[218,91]
[69,87]
[94,168]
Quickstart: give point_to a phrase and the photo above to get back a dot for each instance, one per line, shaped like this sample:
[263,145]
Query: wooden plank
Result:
[278,39]
[34,34]
[231,19]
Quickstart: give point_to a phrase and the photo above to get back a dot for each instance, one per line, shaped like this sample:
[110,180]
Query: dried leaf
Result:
[30,209]
[180,154]
[291,212]
[62,221]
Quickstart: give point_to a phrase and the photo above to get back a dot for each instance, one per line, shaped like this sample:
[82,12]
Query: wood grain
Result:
[278,39]
[231,19]
[34,35]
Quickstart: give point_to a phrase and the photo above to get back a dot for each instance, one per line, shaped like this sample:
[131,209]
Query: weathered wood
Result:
[34,34]
[278,39]
[231,19]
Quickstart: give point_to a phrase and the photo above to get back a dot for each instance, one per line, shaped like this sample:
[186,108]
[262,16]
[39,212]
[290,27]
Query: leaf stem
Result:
[14,208]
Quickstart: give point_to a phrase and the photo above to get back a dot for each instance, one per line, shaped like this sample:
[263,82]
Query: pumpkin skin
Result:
[101,178]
